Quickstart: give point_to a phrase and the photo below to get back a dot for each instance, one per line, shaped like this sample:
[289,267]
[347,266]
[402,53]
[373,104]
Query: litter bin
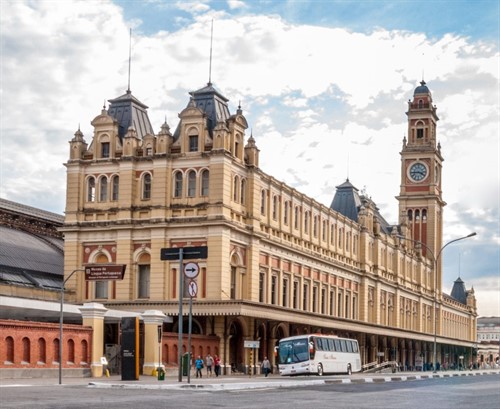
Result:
[185,364]
[161,374]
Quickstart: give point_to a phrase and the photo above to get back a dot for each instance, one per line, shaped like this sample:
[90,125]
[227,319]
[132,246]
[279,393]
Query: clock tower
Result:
[420,198]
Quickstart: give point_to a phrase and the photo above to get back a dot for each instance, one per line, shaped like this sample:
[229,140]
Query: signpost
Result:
[253,345]
[191,270]
[93,272]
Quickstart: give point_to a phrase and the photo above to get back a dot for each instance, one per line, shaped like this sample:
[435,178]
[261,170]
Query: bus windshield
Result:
[296,350]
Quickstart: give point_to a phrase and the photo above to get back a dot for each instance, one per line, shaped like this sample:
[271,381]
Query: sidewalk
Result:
[239,382]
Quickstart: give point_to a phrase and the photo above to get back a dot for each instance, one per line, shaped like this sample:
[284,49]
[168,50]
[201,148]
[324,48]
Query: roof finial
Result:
[210,64]
[129,59]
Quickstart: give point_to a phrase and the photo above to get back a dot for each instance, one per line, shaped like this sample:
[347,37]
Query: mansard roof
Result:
[349,202]
[458,292]
[212,103]
[129,111]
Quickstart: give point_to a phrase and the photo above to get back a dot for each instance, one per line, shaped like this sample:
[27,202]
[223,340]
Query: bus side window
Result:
[337,345]
[331,346]
[343,345]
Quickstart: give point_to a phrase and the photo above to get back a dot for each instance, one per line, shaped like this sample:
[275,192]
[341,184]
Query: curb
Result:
[285,384]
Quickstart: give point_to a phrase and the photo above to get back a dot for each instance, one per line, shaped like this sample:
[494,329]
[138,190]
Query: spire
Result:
[210,63]
[129,60]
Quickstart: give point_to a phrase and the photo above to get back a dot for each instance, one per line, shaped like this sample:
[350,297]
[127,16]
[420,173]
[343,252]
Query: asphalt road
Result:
[442,393]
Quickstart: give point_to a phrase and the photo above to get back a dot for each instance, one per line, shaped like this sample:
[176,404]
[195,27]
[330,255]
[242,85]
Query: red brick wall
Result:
[200,345]
[29,344]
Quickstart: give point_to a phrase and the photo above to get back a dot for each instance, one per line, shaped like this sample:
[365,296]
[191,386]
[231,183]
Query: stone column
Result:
[93,316]
[152,345]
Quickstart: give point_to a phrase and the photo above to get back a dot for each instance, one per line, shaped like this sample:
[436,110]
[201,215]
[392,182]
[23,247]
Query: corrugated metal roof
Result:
[29,252]
[31,211]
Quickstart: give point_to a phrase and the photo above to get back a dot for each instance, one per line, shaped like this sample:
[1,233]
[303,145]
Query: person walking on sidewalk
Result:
[217,365]
[210,363]
[199,366]
[266,366]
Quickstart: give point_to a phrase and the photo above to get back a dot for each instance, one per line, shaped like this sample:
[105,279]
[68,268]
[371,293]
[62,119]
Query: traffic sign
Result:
[192,288]
[188,253]
[191,270]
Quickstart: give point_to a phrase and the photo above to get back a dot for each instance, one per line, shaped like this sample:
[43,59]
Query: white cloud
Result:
[331,101]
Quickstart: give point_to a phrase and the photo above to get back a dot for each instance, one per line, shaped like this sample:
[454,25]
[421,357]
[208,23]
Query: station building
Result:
[279,262]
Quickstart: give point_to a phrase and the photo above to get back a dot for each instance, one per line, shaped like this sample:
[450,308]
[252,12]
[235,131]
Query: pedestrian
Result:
[217,365]
[210,363]
[266,366]
[199,366]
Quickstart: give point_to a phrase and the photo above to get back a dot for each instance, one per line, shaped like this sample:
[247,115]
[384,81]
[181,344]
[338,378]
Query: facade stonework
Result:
[279,262]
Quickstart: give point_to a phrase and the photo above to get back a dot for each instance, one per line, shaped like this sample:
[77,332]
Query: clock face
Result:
[418,171]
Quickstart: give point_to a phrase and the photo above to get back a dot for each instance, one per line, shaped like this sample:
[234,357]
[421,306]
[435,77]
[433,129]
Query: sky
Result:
[324,86]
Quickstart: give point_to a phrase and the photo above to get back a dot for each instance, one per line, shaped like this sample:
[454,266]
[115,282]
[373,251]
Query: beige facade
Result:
[279,263]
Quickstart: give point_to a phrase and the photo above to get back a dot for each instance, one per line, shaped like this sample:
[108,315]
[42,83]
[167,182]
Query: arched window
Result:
[71,351]
[306,222]
[143,276]
[263,197]
[285,212]
[296,217]
[178,184]
[146,186]
[9,349]
[315,226]
[243,191]
[91,189]
[191,184]
[55,346]
[204,182]
[275,207]
[236,184]
[115,188]
[85,351]
[103,189]
[26,350]
[41,351]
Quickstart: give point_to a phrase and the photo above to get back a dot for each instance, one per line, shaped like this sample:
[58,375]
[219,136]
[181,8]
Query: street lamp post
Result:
[435,259]
[61,317]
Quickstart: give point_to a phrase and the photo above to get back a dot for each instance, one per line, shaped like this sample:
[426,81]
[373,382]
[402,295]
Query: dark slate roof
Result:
[348,202]
[458,292]
[421,89]
[213,103]
[129,111]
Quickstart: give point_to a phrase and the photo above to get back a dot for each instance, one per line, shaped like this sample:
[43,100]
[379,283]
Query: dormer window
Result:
[193,143]
[105,150]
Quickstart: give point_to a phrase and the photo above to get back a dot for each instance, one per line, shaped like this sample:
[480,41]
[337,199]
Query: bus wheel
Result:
[320,370]
[349,370]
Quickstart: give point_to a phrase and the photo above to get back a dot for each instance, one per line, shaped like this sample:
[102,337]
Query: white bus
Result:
[318,354]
